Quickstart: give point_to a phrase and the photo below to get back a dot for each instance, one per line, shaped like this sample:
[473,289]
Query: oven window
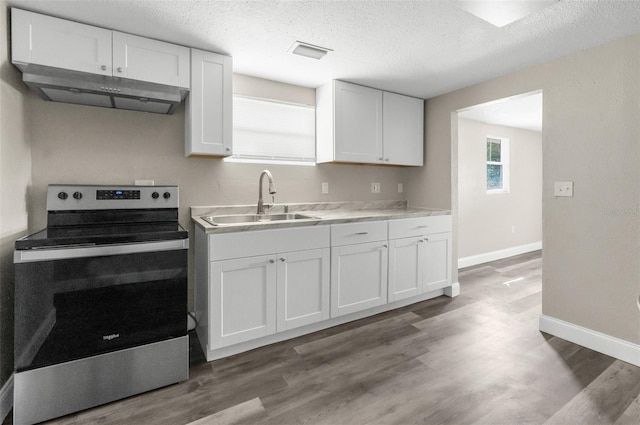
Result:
[74,308]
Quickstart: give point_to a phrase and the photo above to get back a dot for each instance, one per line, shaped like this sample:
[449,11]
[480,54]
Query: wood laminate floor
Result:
[475,359]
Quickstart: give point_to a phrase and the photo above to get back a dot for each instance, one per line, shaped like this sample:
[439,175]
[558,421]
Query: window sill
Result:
[498,191]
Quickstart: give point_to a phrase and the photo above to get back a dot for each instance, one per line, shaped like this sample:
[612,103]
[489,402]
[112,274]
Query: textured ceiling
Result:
[419,48]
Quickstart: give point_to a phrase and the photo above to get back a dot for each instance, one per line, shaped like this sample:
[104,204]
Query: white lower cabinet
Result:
[251,286]
[359,255]
[281,283]
[243,292]
[406,268]
[437,258]
[303,288]
[358,277]
[419,256]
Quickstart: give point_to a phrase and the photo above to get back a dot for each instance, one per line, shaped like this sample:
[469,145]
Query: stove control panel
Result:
[92,197]
[118,194]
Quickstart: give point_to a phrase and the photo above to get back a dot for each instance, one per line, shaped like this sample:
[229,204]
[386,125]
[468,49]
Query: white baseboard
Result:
[596,341]
[498,255]
[6,399]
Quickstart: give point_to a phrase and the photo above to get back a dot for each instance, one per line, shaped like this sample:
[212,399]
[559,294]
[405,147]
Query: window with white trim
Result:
[497,165]
[271,131]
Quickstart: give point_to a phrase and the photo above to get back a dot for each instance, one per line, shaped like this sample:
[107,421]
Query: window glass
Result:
[497,165]
[494,177]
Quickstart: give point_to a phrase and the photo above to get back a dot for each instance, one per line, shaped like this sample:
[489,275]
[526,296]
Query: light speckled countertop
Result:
[323,213]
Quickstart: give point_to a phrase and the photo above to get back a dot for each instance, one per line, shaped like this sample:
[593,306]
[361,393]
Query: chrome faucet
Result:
[272,191]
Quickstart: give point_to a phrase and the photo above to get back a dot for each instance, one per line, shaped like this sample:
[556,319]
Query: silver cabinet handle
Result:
[381,159]
[119,69]
[362,233]
[103,67]
[283,259]
[386,159]
[385,246]
[421,240]
[272,261]
[227,149]
[422,227]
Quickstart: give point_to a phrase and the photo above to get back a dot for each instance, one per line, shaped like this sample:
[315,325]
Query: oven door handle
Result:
[49,254]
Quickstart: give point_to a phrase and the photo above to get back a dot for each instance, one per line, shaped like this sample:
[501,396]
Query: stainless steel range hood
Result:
[61,85]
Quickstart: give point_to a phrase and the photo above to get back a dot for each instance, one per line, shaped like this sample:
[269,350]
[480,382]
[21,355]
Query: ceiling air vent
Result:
[309,50]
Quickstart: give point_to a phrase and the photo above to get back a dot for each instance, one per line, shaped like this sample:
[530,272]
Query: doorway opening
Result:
[499,193]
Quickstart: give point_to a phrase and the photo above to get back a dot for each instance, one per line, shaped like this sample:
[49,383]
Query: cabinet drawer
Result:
[262,242]
[408,227]
[353,233]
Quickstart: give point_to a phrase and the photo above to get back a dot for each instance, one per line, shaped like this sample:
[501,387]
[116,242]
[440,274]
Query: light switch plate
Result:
[375,187]
[563,189]
[325,188]
[400,188]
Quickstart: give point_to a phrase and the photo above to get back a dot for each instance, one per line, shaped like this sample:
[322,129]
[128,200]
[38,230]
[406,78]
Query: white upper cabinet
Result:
[144,59]
[44,40]
[403,129]
[208,126]
[348,123]
[364,125]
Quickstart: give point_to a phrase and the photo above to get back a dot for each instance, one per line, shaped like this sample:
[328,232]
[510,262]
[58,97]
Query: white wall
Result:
[489,222]
[591,105]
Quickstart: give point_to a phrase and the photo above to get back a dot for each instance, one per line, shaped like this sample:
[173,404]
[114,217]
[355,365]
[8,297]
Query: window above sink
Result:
[272,131]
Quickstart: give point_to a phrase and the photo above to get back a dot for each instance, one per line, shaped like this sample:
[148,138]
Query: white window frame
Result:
[274,159]
[505,160]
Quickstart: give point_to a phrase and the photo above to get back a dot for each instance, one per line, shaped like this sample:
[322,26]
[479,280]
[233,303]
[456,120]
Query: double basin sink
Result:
[221,220]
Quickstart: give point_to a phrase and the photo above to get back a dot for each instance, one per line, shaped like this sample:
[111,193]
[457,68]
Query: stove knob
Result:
[77,195]
[155,195]
[63,195]
[166,195]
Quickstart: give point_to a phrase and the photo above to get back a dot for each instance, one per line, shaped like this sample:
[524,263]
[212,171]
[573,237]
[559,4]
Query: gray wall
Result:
[15,178]
[590,136]
[492,222]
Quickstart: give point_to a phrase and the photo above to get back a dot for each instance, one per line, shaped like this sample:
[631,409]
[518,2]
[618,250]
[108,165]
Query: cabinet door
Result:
[243,300]
[208,122]
[358,277]
[49,41]
[406,267]
[403,134]
[438,261]
[303,288]
[144,59]
[358,123]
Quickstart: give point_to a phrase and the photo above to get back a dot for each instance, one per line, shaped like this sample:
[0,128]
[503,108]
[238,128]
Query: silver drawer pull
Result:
[283,259]
[422,227]
[362,233]
[272,261]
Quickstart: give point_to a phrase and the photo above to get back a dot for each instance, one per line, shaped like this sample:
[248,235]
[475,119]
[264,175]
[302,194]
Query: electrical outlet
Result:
[563,189]
[375,187]
[144,183]
[325,188]
[400,188]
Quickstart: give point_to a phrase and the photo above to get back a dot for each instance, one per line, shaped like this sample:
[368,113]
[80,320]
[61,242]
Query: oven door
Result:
[76,302]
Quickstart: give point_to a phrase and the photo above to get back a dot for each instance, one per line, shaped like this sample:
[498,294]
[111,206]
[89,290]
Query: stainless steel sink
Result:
[218,220]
